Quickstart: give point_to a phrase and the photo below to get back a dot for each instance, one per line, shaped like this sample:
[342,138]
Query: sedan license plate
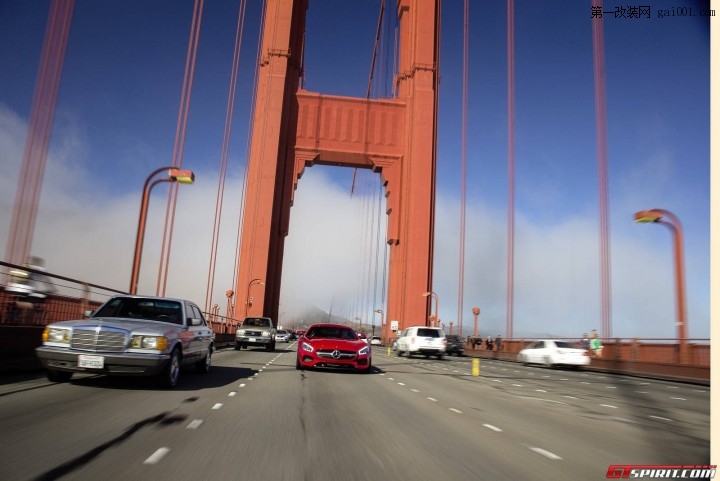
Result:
[92,362]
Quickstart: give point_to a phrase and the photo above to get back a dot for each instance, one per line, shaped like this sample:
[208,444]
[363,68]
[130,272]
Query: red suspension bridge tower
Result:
[294,128]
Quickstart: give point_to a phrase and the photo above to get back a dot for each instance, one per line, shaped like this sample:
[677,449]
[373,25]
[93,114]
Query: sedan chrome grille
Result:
[99,339]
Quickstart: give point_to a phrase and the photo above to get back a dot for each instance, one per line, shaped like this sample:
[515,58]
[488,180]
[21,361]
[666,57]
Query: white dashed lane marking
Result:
[455,410]
[156,456]
[660,418]
[195,424]
[217,406]
[432,399]
[490,426]
[545,453]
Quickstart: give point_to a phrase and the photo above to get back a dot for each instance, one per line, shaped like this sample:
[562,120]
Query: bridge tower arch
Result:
[294,128]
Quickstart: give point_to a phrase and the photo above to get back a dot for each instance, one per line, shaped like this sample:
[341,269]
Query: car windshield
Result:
[138,308]
[256,322]
[331,333]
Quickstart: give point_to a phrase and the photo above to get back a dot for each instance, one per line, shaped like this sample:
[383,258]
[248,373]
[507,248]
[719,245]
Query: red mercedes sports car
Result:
[333,345]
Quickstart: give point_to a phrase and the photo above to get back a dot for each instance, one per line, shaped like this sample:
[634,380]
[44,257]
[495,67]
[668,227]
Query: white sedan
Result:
[554,353]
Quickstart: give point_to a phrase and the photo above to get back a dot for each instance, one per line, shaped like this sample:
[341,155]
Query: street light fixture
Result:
[382,321]
[248,301]
[437,302]
[173,175]
[663,216]
[476,313]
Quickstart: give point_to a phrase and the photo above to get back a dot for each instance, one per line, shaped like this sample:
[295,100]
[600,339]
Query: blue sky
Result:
[116,119]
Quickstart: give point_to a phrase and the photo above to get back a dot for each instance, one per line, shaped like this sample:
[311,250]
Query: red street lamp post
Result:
[476,313]
[173,175]
[248,299]
[663,216]
[437,301]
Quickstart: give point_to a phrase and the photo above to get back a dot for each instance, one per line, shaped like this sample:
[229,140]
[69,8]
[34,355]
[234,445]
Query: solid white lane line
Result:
[157,456]
[217,406]
[455,410]
[545,453]
[490,426]
[194,424]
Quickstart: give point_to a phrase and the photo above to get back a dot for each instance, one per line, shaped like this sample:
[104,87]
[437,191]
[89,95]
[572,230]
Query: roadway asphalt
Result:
[256,417]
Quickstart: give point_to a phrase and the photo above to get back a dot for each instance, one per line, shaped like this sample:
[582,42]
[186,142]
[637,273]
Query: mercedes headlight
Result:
[364,351]
[54,334]
[307,347]
[159,343]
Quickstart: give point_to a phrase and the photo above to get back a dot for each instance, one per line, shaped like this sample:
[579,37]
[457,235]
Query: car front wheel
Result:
[203,366]
[170,375]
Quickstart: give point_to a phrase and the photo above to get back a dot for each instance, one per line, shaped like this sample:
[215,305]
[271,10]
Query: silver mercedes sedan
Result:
[130,336]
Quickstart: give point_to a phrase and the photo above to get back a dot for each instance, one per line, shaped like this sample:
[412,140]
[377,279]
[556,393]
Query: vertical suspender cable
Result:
[39,129]
[601,139]
[179,147]
[463,162]
[511,168]
[251,125]
[370,77]
[224,154]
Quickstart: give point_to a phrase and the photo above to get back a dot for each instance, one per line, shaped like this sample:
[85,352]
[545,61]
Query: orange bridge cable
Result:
[251,125]
[38,133]
[224,154]
[57,58]
[601,139]
[511,169]
[463,161]
[370,77]
[180,144]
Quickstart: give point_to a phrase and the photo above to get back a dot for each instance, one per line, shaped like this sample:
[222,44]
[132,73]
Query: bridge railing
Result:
[651,356]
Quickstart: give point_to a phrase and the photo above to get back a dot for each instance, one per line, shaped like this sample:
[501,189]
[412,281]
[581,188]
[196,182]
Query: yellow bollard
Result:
[476,367]
[388,351]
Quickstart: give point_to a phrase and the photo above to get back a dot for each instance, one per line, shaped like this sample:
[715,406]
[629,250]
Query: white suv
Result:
[422,340]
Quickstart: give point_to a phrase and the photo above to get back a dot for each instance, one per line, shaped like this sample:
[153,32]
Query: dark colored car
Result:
[455,345]
[333,345]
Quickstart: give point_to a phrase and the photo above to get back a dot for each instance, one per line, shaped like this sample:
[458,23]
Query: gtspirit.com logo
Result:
[660,471]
